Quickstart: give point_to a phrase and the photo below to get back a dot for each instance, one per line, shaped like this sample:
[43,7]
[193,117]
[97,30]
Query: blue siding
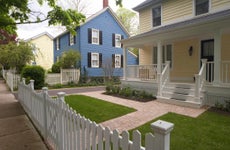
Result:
[106,23]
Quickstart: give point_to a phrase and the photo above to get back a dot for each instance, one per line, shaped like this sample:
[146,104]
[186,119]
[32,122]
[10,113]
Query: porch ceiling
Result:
[200,26]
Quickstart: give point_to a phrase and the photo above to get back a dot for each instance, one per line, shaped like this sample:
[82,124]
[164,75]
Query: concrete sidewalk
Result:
[16,130]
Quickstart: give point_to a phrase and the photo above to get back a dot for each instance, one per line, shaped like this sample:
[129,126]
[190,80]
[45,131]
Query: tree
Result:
[13,12]
[129,19]
[70,59]
[5,37]
[16,55]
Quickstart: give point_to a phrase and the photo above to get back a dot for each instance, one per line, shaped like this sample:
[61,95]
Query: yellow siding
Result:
[145,56]
[185,66]
[45,52]
[176,9]
[218,4]
[145,20]
[225,53]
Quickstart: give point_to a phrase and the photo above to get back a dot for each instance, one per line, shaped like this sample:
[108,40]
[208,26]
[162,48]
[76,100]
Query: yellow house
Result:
[43,49]
[184,51]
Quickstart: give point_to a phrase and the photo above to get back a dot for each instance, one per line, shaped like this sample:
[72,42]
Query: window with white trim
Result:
[201,7]
[117,61]
[95,36]
[118,40]
[156,16]
[57,43]
[71,39]
[95,60]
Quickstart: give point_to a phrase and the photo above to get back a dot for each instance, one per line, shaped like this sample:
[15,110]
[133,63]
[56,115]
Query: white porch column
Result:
[125,63]
[217,57]
[159,56]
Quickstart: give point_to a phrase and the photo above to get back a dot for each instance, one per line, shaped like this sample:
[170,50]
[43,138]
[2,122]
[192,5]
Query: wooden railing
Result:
[225,68]
[65,129]
[200,78]
[163,78]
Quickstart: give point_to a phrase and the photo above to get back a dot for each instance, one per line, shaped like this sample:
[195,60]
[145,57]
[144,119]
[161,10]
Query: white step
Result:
[178,96]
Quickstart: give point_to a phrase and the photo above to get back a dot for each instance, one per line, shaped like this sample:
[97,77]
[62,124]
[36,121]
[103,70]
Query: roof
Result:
[99,13]
[146,4]
[197,20]
[39,35]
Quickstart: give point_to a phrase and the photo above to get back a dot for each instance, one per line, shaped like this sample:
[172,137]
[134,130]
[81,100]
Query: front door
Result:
[207,52]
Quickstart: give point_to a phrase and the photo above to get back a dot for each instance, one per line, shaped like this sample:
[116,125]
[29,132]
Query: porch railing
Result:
[200,78]
[225,67]
[163,77]
[142,72]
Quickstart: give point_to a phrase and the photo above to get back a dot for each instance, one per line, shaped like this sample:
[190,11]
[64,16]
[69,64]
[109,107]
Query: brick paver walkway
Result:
[146,111]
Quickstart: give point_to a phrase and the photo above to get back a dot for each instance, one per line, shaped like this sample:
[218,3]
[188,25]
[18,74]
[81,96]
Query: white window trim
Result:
[57,43]
[98,38]
[116,44]
[159,5]
[92,64]
[115,65]
[71,39]
[194,8]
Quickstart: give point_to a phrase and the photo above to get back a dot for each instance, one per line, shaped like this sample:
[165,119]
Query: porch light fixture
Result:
[190,51]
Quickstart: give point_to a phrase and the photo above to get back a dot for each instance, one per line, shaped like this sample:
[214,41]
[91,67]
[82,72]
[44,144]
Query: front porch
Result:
[201,91]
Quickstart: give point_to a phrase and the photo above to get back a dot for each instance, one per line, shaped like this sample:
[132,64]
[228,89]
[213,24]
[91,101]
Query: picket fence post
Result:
[32,84]
[162,131]
[45,95]
[61,99]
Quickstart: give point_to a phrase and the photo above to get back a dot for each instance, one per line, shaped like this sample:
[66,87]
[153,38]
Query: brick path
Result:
[146,111]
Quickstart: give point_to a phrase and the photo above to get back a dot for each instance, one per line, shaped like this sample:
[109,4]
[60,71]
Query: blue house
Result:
[98,41]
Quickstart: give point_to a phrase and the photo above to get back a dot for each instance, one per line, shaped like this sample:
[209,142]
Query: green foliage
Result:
[129,93]
[16,55]
[37,73]
[129,19]
[70,59]
[223,107]
[95,109]
[13,12]
[56,67]
[209,131]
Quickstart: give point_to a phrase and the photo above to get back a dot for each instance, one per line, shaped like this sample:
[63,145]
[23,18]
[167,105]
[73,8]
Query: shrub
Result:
[56,67]
[36,73]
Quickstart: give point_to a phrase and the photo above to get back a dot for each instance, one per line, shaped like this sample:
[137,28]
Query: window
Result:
[94,60]
[154,55]
[71,39]
[156,14]
[57,58]
[116,40]
[57,44]
[117,60]
[201,6]
[94,36]
[167,54]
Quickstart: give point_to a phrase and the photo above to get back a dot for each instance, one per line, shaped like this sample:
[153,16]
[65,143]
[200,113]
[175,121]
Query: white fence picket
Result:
[68,130]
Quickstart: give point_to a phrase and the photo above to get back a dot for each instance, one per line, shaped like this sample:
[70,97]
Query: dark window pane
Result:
[156,12]
[202,6]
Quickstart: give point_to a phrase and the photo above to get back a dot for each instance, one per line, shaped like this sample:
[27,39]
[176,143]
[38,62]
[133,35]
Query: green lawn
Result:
[95,109]
[210,131]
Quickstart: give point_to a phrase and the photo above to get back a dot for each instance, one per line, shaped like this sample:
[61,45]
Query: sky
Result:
[29,30]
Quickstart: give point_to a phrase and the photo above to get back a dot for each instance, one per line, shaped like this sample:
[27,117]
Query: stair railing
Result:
[200,78]
[163,77]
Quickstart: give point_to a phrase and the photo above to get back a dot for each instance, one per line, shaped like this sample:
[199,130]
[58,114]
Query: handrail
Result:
[163,77]
[200,78]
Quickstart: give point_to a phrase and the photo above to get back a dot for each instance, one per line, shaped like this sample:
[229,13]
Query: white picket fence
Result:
[64,77]
[65,129]
[11,79]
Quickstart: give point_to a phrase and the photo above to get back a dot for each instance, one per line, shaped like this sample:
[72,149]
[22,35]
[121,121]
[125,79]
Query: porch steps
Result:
[181,94]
